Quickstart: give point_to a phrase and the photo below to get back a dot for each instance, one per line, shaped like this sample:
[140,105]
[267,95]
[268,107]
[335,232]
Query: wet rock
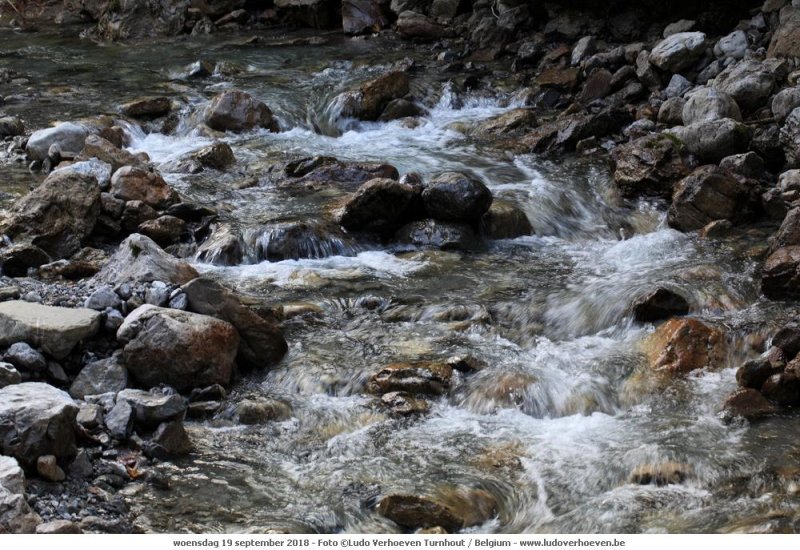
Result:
[785,41]
[119,420]
[436,234]
[507,123]
[780,278]
[709,194]
[430,378]
[411,24]
[56,216]
[715,140]
[787,339]
[47,467]
[754,373]
[237,111]
[782,389]
[140,260]
[650,165]
[360,16]
[665,473]
[9,375]
[716,229]
[68,136]
[11,126]
[261,411]
[103,150]
[659,304]
[325,171]
[261,342]
[223,247]
[784,102]
[414,512]
[682,345]
[583,48]
[181,349]
[169,440]
[35,420]
[678,51]
[369,101]
[748,403]
[708,105]
[58,527]
[380,205]
[24,357]
[16,260]
[132,183]
[103,376]
[403,403]
[296,240]
[505,220]
[748,82]
[202,409]
[147,107]
[218,155]
[456,197]
[55,330]
[164,230]
[400,108]
[152,409]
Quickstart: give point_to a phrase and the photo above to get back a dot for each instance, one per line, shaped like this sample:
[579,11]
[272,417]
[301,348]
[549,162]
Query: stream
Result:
[563,411]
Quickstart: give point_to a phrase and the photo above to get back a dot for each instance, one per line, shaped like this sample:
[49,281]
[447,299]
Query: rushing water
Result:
[561,415]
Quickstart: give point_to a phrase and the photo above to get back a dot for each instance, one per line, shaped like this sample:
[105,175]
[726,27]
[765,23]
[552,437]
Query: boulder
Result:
[97,377]
[178,348]
[748,82]
[169,440]
[56,216]
[788,233]
[708,105]
[400,108]
[237,111]
[659,304]
[140,260]
[360,16]
[24,357]
[218,155]
[783,389]
[380,205]
[109,154]
[164,230]
[505,220]
[67,137]
[296,240]
[372,97]
[754,373]
[223,247]
[133,183]
[682,345]
[507,123]
[785,41]
[436,234]
[733,45]
[35,420]
[452,508]
[678,51]
[147,107]
[119,420]
[707,194]
[17,259]
[650,166]
[402,403]
[411,24]
[712,141]
[55,330]
[261,342]
[780,277]
[784,102]
[150,409]
[261,410]
[425,377]
[456,197]
[746,165]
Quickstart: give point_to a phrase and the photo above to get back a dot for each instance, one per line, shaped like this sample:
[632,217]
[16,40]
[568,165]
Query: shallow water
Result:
[561,415]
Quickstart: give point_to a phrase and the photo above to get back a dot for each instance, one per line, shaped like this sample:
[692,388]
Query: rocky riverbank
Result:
[115,331]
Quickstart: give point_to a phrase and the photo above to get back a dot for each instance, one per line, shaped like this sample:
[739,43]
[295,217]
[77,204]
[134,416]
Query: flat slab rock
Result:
[56,330]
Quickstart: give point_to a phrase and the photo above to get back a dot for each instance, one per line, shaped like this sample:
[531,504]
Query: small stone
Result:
[403,403]
[90,416]
[119,420]
[103,298]
[9,375]
[24,357]
[170,439]
[262,410]
[48,468]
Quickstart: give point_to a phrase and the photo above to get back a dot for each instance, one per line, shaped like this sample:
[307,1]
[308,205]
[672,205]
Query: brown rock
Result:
[164,230]
[97,147]
[786,39]
[562,78]
[706,195]
[659,304]
[505,220]
[748,403]
[666,473]
[425,377]
[48,468]
[147,107]
[682,345]
[132,183]
[237,111]
[403,403]
[380,205]
[780,277]
[650,165]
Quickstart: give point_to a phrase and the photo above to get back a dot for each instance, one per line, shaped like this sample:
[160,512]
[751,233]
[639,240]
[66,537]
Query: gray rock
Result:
[35,420]
[90,416]
[456,197]
[102,298]
[103,376]
[9,375]
[584,47]
[749,82]
[645,71]
[682,25]
[12,478]
[47,467]
[748,165]
[790,138]
[119,420]
[81,467]
[24,357]
[707,105]
[69,137]
[359,16]
[678,85]
[708,194]
[712,141]
[442,235]
[113,320]
[140,260]
[16,516]
[671,111]
[55,330]
[58,527]
[784,102]
[678,51]
[157,294]
[237,111]
[224,246]
[170,439]
[97,169]
[733,45]
[151,409]
[184,350]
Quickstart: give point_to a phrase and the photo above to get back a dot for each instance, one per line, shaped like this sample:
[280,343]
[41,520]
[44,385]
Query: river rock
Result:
[12,478]
[507,123]
[788,233]
[665,473]
[372,97]
[733,45]
[748,82]
[682,345]
[169,440]
[56,216]
[505,220]
[707,194]
[237,111]
[140,260]
[785,42]
[437,234]
[261,410]
[783,389]
[178,348]
[55,330]
[671,111]
[754,373]
[223,247]
[11,126]
[9,375]
[35,420]
[97,147]
[784,102]
[67,136]
[320,172]
[380,205]
[24,357]
[747,165]
[780,278]
[679,51]
[790,138]
[147,107]
[164,230]
[411,24]
[90,416]
[97,377]
[414,512]
[712,141]
[456,197]
[298,240]
[16,516]
[748,403]
[17,259]
[659,304]
[650,166]
[47,467]
[425,377]
[400,108]
[218,155]
[261,342]
[360,16]
[150,409]
[787,339]
[708,105]
[404,404]
[119,420]
[133,183]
